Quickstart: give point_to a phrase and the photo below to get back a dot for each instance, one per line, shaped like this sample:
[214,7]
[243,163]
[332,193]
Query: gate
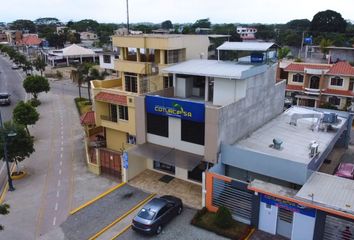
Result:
[110,163]
[237,200]
[338,228]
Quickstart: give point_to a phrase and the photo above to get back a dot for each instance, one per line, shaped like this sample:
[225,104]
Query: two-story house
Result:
[141,59]
[314,85]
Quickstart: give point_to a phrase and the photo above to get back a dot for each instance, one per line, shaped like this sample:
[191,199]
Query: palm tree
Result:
[323,46]
[282,53]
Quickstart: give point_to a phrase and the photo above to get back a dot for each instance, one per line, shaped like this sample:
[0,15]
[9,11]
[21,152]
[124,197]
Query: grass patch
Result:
[83,105]
[206,220]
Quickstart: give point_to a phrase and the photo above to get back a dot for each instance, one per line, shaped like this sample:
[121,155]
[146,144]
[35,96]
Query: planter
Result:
[16,176]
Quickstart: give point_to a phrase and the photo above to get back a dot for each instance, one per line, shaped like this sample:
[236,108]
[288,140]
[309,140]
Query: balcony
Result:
[114,123]
[135,67]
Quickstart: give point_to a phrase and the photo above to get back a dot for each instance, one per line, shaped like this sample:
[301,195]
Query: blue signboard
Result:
[257,57]
[291,206]
[308,40]
[125,160]
[171,107]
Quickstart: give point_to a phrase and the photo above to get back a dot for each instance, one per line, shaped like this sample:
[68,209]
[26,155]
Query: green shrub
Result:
[223,218]
[59,75]
[200,213]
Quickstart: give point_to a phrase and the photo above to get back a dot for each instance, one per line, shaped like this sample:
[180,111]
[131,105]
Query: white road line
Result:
[61,163]
[62,137]
[56,207]
[62,133]
[59,183]
[62,127]
[58,193]
[62,143]
[61,149]
[54,220]
[61,156]
[59,171]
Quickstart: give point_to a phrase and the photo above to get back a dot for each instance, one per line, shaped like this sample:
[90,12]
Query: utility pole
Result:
[302,43]
[127,16]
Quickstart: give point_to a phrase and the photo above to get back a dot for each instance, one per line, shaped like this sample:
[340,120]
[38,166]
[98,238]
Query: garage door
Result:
[338,229]
[110,163]
[238,201]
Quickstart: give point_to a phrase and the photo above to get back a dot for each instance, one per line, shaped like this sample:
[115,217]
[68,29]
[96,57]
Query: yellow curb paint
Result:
[250,234]
[122,217]
[121,232]
[96,198]
[6,188]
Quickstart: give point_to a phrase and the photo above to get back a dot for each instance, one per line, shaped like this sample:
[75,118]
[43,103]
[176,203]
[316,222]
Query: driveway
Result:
[178,228]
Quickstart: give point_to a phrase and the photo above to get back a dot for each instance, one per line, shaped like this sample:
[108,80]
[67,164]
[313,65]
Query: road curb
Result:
[122,217]
[96,198]
[6,187]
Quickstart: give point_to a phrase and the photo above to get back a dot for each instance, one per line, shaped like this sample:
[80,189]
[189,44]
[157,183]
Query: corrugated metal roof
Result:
[246,46]
[214,68]
[329,191]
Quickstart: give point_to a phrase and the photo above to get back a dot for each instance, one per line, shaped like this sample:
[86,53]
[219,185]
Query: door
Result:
[315,82]
[284,222]
[110,163]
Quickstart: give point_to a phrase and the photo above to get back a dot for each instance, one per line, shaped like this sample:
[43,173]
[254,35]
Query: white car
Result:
[14,66]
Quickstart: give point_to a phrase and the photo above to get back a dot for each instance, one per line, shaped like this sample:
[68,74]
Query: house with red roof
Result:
[315,85]
[29,40]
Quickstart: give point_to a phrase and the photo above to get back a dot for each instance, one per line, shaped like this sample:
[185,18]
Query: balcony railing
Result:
[109,118]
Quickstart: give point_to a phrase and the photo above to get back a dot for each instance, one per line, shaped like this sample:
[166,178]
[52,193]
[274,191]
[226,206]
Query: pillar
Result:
[174,84]
[67,61]
[138,55]
[206,97]
[81,59]
[162,56]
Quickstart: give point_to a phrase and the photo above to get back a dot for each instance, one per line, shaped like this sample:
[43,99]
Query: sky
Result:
[178,11]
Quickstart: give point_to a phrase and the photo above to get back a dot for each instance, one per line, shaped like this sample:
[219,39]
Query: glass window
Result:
[168,81]
[106,58]
[337,81]
[131,83]
[113,112]
[334,100]
[192,132]
[146,214]
[123,112]
[175,56]
[157,125]
[298,78]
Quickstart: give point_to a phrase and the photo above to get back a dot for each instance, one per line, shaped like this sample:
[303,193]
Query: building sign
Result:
[170,107]
[291,206]
[125,159]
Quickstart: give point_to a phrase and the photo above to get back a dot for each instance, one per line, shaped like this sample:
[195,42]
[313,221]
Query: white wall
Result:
[184,87]
[268,218]
[303,227]
[106,65]
[174,138]
[227,91]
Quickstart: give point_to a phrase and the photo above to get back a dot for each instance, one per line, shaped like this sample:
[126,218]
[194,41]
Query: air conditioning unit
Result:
[313,149]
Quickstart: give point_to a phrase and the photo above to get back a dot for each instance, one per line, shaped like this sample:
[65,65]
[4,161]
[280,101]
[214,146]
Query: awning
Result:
[167,155]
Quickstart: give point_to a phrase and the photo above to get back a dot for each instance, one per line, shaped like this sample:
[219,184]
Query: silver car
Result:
[5,99]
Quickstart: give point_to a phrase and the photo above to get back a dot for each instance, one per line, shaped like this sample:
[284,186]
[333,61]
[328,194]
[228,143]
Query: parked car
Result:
[345,170]
[157,213]
[15,66]
[5,99]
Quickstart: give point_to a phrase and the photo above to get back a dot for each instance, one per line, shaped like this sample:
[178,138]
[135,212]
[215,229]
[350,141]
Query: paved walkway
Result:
[190,193]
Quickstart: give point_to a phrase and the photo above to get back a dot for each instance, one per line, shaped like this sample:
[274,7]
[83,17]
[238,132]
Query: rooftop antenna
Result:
[127,16]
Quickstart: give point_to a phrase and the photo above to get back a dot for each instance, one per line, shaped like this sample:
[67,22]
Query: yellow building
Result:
[142,57]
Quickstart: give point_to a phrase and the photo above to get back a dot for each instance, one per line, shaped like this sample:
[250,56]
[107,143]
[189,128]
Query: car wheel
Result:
[158,229]
[179,211]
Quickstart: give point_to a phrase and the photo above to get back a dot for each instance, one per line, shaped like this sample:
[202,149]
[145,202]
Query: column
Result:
[206,97]
[67,61]
[81,59]
[298,101]
[162,56]
[138,55]
[174,84]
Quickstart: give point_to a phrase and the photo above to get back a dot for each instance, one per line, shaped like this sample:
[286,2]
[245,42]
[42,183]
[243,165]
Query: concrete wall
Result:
[140,119]
[267,165]
[136,164]
[107,65]
[344,55]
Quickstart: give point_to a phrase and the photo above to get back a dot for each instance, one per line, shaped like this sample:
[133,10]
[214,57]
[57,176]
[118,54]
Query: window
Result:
[113,112]
[123,112]
[147,214]
[337,81]
[175,56]
[131,83]
[298,78]
[192,132]
[168,82]
[106,58]
[157,125]
[162,211]
[334,100]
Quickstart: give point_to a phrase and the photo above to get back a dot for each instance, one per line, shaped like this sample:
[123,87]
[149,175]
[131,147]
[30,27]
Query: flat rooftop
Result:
[296,139]
[329,191]
[215,68]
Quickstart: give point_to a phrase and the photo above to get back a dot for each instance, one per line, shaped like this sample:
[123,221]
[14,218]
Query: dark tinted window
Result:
[192,132]
[146,214]
[157,125]
[162,211]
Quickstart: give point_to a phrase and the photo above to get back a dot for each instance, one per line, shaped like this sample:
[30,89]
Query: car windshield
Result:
[4,96]
[146,214]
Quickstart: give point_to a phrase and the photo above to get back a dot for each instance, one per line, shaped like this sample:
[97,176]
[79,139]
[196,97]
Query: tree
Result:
[202,23]
[23,24]
[35,85]
[4,209]
[283,52]
[298,24]
[19,147]
[39,64]
[265,32]
[27,66]
[166,24]
[328,21]
[56,40]
[323,46]
[47,21]
[25,114]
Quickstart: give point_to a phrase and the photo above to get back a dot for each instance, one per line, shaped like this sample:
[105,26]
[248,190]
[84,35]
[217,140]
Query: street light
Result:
[5,138]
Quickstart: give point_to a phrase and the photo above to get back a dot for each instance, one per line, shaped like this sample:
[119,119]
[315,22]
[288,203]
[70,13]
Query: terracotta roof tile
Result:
[341,68]
[300,67]
[338,92]
[111,98]
[29,40]
[88,118]
[294,87]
